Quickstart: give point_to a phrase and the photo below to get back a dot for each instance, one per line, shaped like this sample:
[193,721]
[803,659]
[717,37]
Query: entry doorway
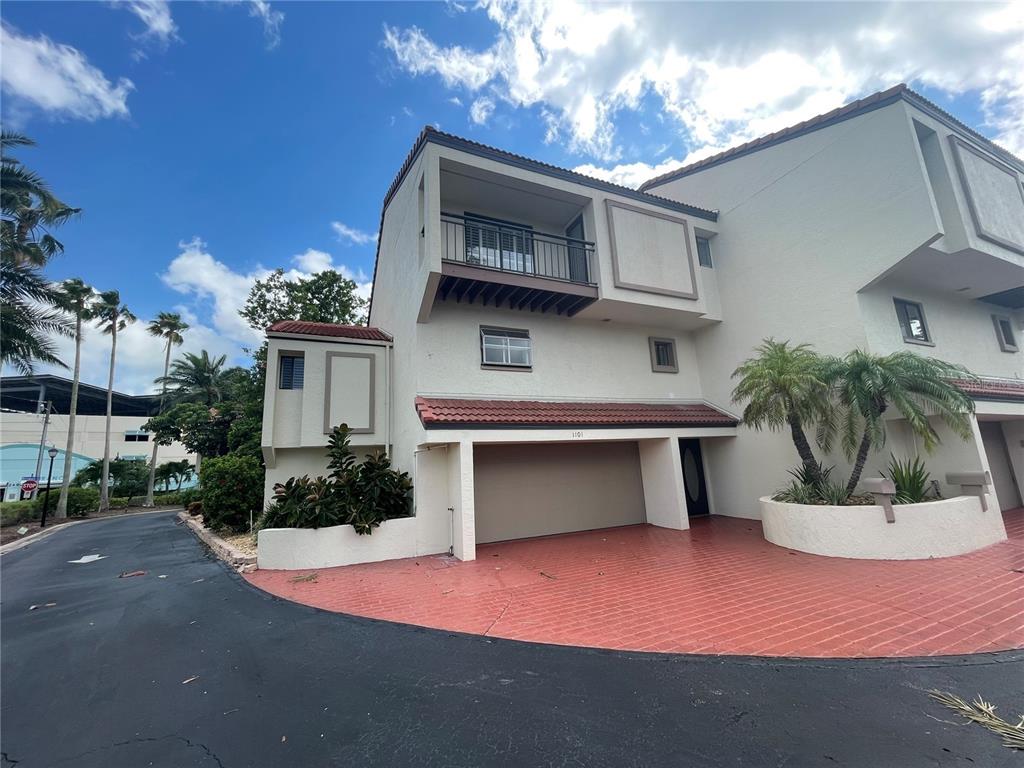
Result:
[692,460]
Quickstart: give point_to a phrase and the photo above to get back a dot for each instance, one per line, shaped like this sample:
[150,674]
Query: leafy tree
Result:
[124,476]
[113,317]
[76,299]
[168,326]
[195,379]
[174,472]
[865,386]
[784,386]
[202,430]
[30,312]
[326,297]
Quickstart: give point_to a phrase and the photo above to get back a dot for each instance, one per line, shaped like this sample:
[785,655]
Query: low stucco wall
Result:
[940,528]
[292,549]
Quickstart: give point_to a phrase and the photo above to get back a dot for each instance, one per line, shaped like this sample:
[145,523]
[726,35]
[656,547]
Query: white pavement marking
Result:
[87,559]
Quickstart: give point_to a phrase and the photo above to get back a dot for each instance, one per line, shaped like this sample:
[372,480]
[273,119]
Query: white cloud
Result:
[156,16]
[480,111]
[311,261]
[271,19]
[58,79]
[721,77]
[455,100]
[351,235]
[196,273]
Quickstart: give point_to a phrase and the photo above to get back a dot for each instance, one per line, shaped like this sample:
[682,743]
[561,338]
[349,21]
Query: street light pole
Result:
[49,478]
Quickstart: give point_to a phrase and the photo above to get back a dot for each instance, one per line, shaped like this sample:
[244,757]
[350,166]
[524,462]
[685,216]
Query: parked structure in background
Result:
[22,402]
[548,352]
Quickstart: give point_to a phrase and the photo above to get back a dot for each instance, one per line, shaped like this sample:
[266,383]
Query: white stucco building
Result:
[548,352]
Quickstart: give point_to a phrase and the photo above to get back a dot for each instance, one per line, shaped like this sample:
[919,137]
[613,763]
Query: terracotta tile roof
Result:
[304,328]
[874,101]
[447,412]
[994,389]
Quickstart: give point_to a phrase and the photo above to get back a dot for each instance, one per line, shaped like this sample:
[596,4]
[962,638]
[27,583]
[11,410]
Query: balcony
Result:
[514,266]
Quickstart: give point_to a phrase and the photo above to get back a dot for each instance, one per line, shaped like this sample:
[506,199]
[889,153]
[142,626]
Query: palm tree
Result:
[29,207]
[113,316]
[167,326]
[30,316]
[866,385]
[76,298]
[196,379]
[29,304]
[783,386]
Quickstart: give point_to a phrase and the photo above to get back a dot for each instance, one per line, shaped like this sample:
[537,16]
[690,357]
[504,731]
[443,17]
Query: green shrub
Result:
[17,512]
[912,480]
[231,489]
[81,501]
[802,476]
[187,496]
[361,495]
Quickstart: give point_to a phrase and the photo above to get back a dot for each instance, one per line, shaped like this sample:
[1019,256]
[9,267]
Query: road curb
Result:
[234,557]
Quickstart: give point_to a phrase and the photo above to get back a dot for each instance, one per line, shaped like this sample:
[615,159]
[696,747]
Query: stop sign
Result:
[29,485]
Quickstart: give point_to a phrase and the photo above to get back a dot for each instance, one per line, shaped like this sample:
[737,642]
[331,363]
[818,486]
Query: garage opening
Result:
[538,489]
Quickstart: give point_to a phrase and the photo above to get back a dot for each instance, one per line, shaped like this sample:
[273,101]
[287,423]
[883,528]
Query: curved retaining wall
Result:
[301,548]
[940,528]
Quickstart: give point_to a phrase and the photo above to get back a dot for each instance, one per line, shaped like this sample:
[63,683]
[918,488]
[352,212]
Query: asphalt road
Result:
[100,679]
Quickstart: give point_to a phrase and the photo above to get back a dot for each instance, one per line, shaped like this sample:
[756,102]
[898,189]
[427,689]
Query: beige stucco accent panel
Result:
[350,391]
[650,251]
[538,489]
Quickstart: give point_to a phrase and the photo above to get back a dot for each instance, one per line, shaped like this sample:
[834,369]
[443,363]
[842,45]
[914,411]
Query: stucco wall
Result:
[572,358]
[934,529]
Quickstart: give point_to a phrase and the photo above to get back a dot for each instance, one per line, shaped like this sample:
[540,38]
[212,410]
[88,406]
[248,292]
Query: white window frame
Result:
[504,341]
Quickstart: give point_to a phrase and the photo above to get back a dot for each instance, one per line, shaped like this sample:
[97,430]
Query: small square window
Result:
[505,347]
[292,374]
[704,252]
[912,322]
[1005,334]
[663,355]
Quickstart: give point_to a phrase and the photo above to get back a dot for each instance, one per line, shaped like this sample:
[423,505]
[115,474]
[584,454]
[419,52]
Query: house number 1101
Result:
[577,435]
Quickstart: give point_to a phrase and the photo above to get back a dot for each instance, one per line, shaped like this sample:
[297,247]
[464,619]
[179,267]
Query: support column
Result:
[461,499]
[664,494]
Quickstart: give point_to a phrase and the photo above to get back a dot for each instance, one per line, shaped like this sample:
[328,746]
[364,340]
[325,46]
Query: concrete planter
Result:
[940,528]
[294,549]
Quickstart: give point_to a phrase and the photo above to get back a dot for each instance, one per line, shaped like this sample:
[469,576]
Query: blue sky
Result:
[208,142]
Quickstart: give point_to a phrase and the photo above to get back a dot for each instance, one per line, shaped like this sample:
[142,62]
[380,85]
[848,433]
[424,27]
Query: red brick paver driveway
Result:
[718,588]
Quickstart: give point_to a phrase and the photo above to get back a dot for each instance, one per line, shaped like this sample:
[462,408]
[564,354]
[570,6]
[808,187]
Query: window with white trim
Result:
[912,323]
[506,347]
[292,372]
[136,436]
[1005,334]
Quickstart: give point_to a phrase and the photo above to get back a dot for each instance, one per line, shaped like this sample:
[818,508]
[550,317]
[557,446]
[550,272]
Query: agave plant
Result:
[911,479]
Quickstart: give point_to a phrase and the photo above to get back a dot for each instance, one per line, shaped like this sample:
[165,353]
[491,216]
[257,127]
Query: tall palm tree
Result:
[113,317]
[783,386]
[196,379]
[167,326]
[76,299]
[866,386]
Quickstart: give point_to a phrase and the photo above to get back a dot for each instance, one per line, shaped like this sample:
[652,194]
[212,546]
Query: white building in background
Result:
[23,402]
[548,352]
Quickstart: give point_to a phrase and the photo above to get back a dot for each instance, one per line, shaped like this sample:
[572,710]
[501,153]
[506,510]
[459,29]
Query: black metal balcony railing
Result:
[509,248]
